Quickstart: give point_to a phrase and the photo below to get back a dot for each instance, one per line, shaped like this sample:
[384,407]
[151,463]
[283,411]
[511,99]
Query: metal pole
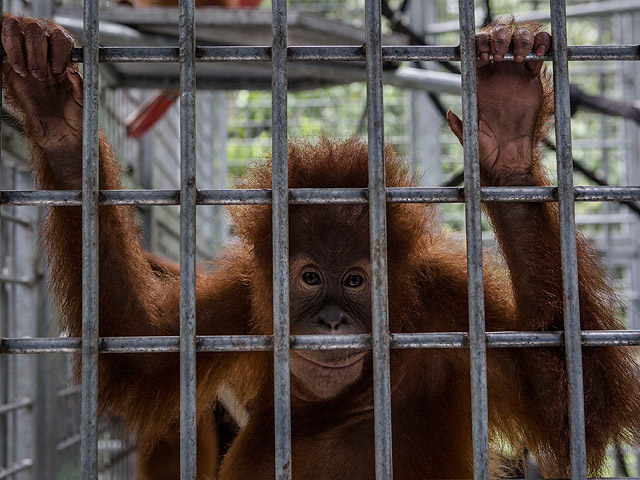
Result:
[569,255]
[309,196]
[473,222]
[90,222]
[280,219]
[24,319]
[264,343]
[221,167]
[431,80]
[378,243]
[187,241]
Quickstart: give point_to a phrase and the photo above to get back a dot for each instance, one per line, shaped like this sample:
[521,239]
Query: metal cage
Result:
[377,195]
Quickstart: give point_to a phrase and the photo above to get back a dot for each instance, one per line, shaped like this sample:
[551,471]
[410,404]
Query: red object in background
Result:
[150,112]
[146,115]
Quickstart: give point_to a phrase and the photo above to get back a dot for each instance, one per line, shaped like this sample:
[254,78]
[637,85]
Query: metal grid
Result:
[39,407]
[39,412]
[19,288]
[280,196]
[603,144]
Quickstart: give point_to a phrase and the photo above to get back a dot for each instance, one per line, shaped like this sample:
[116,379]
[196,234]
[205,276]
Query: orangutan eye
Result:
[311,278]
[353,281]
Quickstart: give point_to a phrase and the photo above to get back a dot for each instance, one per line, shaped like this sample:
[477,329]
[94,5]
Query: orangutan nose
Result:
[332,317]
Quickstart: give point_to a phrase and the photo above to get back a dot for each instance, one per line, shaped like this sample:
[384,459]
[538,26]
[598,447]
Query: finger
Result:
[500,40]
[76,84]
[455,124]
[522,43]
[36,44]
[541,45]
[13,44]
[60,45]
[483,46]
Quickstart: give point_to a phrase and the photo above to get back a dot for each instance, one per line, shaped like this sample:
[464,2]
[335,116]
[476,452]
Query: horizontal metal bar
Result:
[68,443]
[17,405]
[76,439]
[25,464]
[302,196]
[337,53]
[40,345]
[604,52]
[28,281]
[576,53]
[117,457]
[254,343]
[11,218]
[40,197]
[68,391]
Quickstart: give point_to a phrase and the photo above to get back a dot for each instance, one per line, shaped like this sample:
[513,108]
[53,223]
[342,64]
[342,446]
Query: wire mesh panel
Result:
[19,287]
[377,195]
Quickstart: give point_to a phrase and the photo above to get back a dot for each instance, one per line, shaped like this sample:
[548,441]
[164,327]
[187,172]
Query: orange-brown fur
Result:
[428,292]
[162,462]
[427,279]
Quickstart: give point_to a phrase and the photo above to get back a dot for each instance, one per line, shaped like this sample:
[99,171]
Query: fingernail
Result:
[497,58]
[540,51]
[518,58]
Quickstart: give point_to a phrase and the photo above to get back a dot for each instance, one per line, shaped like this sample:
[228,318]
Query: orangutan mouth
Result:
[326,361]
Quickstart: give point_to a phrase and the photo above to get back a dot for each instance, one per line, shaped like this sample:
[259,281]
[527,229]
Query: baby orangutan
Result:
[330,278]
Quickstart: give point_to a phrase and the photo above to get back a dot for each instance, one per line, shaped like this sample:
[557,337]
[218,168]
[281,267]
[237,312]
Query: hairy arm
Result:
[513,106]
[138,295]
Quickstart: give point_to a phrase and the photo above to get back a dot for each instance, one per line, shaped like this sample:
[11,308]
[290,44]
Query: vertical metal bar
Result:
[280,219]
[5,325]
[46,418]
[145,155]
[8,301]
[378,243]
[2,246]
[90,152]
[4,317]
[629,30]
[569,255]
[26,308]
[187,241]
[221,166]
[478,347]
[1,99]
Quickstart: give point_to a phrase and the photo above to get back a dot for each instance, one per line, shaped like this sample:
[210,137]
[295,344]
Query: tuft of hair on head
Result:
[325,162]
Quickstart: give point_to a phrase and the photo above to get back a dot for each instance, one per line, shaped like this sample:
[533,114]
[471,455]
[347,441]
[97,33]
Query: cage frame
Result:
[280,196]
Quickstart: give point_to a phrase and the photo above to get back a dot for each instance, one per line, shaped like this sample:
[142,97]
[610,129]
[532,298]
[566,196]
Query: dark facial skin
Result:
[328,298]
